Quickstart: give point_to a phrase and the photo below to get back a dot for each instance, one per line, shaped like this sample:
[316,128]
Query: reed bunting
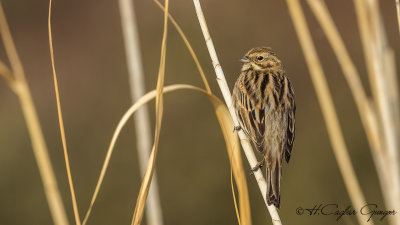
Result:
[264,102]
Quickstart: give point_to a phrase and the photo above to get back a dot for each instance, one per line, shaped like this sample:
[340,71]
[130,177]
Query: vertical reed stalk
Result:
[327,107]
[20,87]
[381,70]
[386,104]
[398,13]
[365,108]
[142,121]
[247,148]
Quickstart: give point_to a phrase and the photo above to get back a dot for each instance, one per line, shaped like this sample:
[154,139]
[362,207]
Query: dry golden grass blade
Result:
[351,74]
[371,122]
[393,199]
[143,100]
[189,47]
[60,119]
[381,70]
[236,164]
[6,73]
[144,188]
[220,110]
[398,13]
[328,109]
[234,199]
[393,89]
[16,65]
[387,104]
[365,32]
[235,158]
[144,140]
[241,180]
[40,151]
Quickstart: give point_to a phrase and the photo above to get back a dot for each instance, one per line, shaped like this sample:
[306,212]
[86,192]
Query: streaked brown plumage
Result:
[264,102]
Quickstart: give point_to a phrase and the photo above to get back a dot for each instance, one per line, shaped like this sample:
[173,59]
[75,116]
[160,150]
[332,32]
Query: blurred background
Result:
[192,163]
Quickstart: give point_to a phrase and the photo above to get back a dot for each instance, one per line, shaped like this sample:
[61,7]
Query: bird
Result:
[264,103]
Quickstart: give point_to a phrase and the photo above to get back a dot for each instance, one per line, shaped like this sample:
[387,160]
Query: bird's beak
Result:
[245,59]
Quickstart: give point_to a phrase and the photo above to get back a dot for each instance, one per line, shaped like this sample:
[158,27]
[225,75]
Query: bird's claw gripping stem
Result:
[236,128]
[258,166]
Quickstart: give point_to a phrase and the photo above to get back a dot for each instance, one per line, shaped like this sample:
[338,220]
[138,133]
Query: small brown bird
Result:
[264,102]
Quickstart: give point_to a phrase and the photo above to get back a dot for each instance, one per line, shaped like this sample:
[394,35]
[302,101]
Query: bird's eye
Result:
[260,58]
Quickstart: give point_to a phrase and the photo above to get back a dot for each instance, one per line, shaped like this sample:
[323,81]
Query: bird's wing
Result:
[291,123]
[250,114]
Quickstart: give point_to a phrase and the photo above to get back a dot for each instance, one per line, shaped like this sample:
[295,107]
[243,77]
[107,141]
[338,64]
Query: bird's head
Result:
[262,58]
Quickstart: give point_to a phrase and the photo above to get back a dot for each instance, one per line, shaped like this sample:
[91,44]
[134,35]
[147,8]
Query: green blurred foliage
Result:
[193,168]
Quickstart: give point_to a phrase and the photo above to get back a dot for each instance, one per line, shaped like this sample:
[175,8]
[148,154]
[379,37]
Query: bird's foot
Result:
[236,128]
[258,166]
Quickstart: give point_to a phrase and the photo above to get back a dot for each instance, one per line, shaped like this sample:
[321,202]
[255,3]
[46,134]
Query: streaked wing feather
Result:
[291,127]
[251,116]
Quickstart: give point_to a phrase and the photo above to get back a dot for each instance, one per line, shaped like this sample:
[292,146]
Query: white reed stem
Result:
[142,122]
[247,148]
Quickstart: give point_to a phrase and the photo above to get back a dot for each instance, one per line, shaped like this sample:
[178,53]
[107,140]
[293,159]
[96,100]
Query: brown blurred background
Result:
[193,168]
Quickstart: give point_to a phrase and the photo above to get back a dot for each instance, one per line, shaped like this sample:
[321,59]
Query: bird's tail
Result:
[273,185]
